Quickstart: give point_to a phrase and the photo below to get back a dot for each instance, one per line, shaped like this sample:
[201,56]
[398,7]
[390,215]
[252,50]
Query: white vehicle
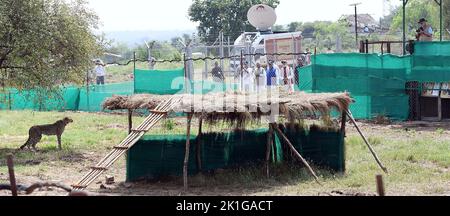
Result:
[263,17]
[268,44]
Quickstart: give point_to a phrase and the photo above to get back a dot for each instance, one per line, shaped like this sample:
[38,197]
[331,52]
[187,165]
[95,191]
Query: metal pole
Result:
[190,70]
[134,62]
[293,51]
[229,52]
[242,71]
[87,90]
[440,20]
[404,26]
[221,50]
[185,74]
[356,26]
[134,68]
[149,51]
[205,74]
[356,23]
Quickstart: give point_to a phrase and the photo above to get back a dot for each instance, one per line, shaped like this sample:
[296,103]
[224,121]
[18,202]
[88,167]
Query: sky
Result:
[169,15]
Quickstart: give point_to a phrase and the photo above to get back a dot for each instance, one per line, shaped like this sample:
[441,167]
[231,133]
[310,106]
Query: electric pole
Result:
[356,23]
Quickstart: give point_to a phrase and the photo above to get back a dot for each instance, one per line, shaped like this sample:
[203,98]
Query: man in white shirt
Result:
[287,76]
[248,78]
[260,77]
[100,72]
[308,57]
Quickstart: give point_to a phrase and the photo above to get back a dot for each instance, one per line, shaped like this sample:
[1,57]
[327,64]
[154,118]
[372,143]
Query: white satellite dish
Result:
[262,17]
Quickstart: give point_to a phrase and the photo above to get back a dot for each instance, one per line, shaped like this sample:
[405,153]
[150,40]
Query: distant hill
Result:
[133,37]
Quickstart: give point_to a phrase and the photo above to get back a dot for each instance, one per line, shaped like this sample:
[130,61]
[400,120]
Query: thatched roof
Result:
[239,108]
[138,101]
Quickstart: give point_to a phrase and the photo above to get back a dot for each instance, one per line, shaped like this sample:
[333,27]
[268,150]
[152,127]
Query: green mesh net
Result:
[159,81]
[377,82]
[156,156]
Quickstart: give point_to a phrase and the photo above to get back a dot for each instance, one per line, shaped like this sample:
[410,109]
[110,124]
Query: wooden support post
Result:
[12,177]
[277,129]
[186,154]
[268,148]
[199,145]
[367,46]
[362,47]
[130,120]
[367,142]
[343,122]
[380,185]
[344,134]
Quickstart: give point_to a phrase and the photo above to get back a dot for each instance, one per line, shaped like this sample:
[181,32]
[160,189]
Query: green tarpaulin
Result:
[156,156]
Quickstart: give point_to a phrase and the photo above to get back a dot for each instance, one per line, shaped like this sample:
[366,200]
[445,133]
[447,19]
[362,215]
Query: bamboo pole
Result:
[277,129]
[128,142]
[349,114]
[186,154]
[268,148]
[12,177]
[343,132]
[199,145]
[130,120]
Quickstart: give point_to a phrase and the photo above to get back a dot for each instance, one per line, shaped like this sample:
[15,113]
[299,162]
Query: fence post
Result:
[205,74]
[9,100]
[367,46]
[12,177]
[222,53]
[362,47]
[189,64]
[241,84]
[380,185]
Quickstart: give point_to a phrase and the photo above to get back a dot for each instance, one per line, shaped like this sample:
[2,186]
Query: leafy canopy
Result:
[46,43]
[229,16]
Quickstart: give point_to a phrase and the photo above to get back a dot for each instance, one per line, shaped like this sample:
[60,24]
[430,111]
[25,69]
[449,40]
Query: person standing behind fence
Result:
[308,57]
[260,77]
[288,77]
[272,78]
[425,32]
[299,66]
[100,72]
[217,73]
[248,78]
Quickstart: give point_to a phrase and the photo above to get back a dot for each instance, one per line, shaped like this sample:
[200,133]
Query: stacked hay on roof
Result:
[240,108]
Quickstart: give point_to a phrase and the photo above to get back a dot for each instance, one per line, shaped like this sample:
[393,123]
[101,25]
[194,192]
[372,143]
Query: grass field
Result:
[417,156]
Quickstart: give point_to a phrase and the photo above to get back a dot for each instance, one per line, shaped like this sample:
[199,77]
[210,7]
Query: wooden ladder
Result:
[155,116]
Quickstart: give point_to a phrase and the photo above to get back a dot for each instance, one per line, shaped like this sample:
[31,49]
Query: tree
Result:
[46,43]
[415,10]
[229,16]
[446,11]
[294,26]
[278,28]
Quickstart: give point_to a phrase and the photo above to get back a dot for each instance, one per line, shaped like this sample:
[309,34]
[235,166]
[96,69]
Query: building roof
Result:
[363,20]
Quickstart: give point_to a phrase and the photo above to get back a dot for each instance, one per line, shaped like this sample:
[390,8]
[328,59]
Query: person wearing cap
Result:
[287,76]
[425,32]
[100,72]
